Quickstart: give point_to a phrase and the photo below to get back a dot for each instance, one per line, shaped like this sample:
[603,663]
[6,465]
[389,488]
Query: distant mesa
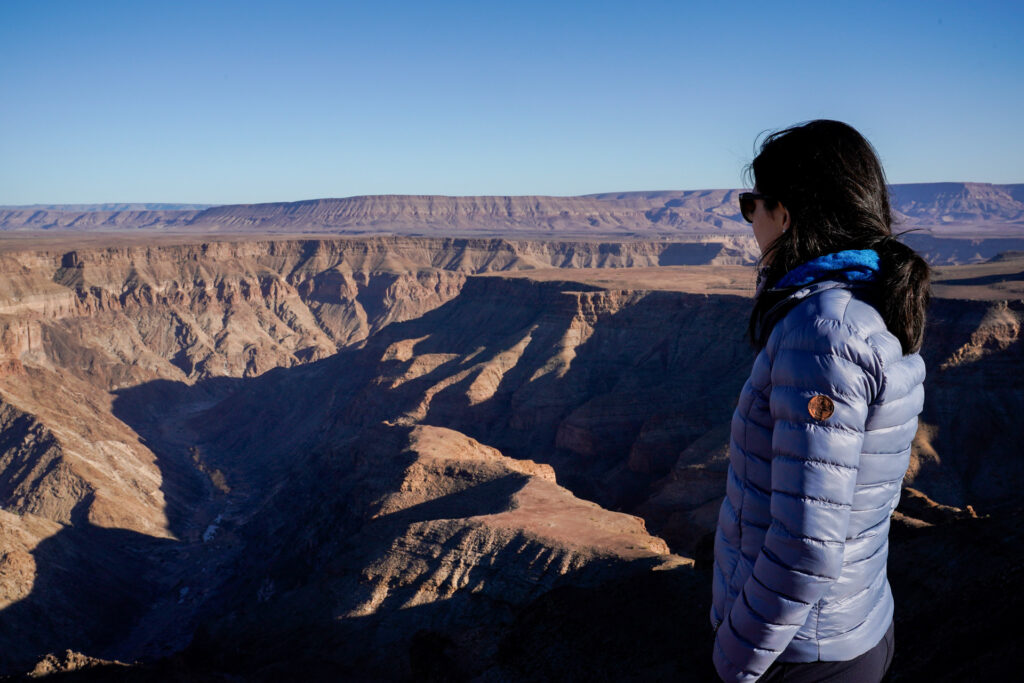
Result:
[944,209]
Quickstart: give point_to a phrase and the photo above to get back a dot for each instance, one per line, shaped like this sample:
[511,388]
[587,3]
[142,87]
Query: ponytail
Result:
[902,291]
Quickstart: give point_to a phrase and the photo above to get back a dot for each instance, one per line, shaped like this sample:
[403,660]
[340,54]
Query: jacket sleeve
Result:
[814,468]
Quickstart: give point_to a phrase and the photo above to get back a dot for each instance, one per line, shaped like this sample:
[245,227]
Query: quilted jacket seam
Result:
[814,499]
[874,351]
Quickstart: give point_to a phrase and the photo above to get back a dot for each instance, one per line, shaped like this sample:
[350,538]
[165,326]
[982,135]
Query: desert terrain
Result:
[410,457]
[974,210]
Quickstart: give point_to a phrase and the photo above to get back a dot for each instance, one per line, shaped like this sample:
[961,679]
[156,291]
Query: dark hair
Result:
[832,183]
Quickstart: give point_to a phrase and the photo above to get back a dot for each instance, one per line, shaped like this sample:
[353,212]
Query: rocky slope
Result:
[471,476]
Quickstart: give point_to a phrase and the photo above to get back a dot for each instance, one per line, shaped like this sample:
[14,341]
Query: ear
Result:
[780,216]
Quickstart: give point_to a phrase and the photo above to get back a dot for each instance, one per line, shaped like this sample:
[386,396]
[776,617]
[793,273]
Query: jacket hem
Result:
[845,646]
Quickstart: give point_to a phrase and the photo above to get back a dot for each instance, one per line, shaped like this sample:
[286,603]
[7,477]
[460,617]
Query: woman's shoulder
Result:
[841,306]
[836,320]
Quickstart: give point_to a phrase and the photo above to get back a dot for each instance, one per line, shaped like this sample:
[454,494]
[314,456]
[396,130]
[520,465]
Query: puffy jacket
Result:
[819,445]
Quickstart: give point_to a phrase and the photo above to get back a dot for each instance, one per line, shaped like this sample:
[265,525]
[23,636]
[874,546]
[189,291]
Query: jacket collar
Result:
[852,265]
[849,269]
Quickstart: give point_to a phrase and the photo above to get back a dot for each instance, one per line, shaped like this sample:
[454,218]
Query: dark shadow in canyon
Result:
[91,585]
[254,431]
[986,279]
[689,254]
[452,639]
[636,382]
[456,639]
[297,429]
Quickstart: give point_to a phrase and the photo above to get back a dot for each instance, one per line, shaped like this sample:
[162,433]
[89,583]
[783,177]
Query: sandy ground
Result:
[738,280]
[984,281]
[979,282]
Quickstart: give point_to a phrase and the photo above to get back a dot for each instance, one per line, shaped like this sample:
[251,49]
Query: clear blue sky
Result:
[220,102]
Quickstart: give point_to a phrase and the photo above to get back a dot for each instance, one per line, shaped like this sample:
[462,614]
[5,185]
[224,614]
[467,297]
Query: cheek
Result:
[767,228]
[765,232]
[761,229]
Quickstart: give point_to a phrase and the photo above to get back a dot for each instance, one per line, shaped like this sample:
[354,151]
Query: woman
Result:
[822,430]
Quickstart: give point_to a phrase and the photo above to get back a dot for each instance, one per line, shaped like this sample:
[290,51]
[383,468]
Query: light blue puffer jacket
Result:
[802,540]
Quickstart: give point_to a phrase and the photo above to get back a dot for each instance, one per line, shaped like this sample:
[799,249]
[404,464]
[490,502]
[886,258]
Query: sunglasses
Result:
[748,202]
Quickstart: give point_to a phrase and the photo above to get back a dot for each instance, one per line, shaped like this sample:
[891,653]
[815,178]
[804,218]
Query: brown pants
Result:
[869,667]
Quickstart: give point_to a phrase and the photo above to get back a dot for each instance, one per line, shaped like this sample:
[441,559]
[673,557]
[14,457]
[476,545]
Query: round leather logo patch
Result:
[821,407]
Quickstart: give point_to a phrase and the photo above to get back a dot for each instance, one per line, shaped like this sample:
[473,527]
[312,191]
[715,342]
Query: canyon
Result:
[404,457]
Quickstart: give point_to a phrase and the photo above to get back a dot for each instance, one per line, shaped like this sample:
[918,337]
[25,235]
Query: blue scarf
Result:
[852,265]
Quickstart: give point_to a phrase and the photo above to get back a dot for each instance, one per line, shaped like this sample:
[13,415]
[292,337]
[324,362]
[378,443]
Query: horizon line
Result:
[190,206]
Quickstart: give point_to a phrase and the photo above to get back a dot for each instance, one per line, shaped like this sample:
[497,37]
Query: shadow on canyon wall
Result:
[276,428]
[304,453]
[63,611]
